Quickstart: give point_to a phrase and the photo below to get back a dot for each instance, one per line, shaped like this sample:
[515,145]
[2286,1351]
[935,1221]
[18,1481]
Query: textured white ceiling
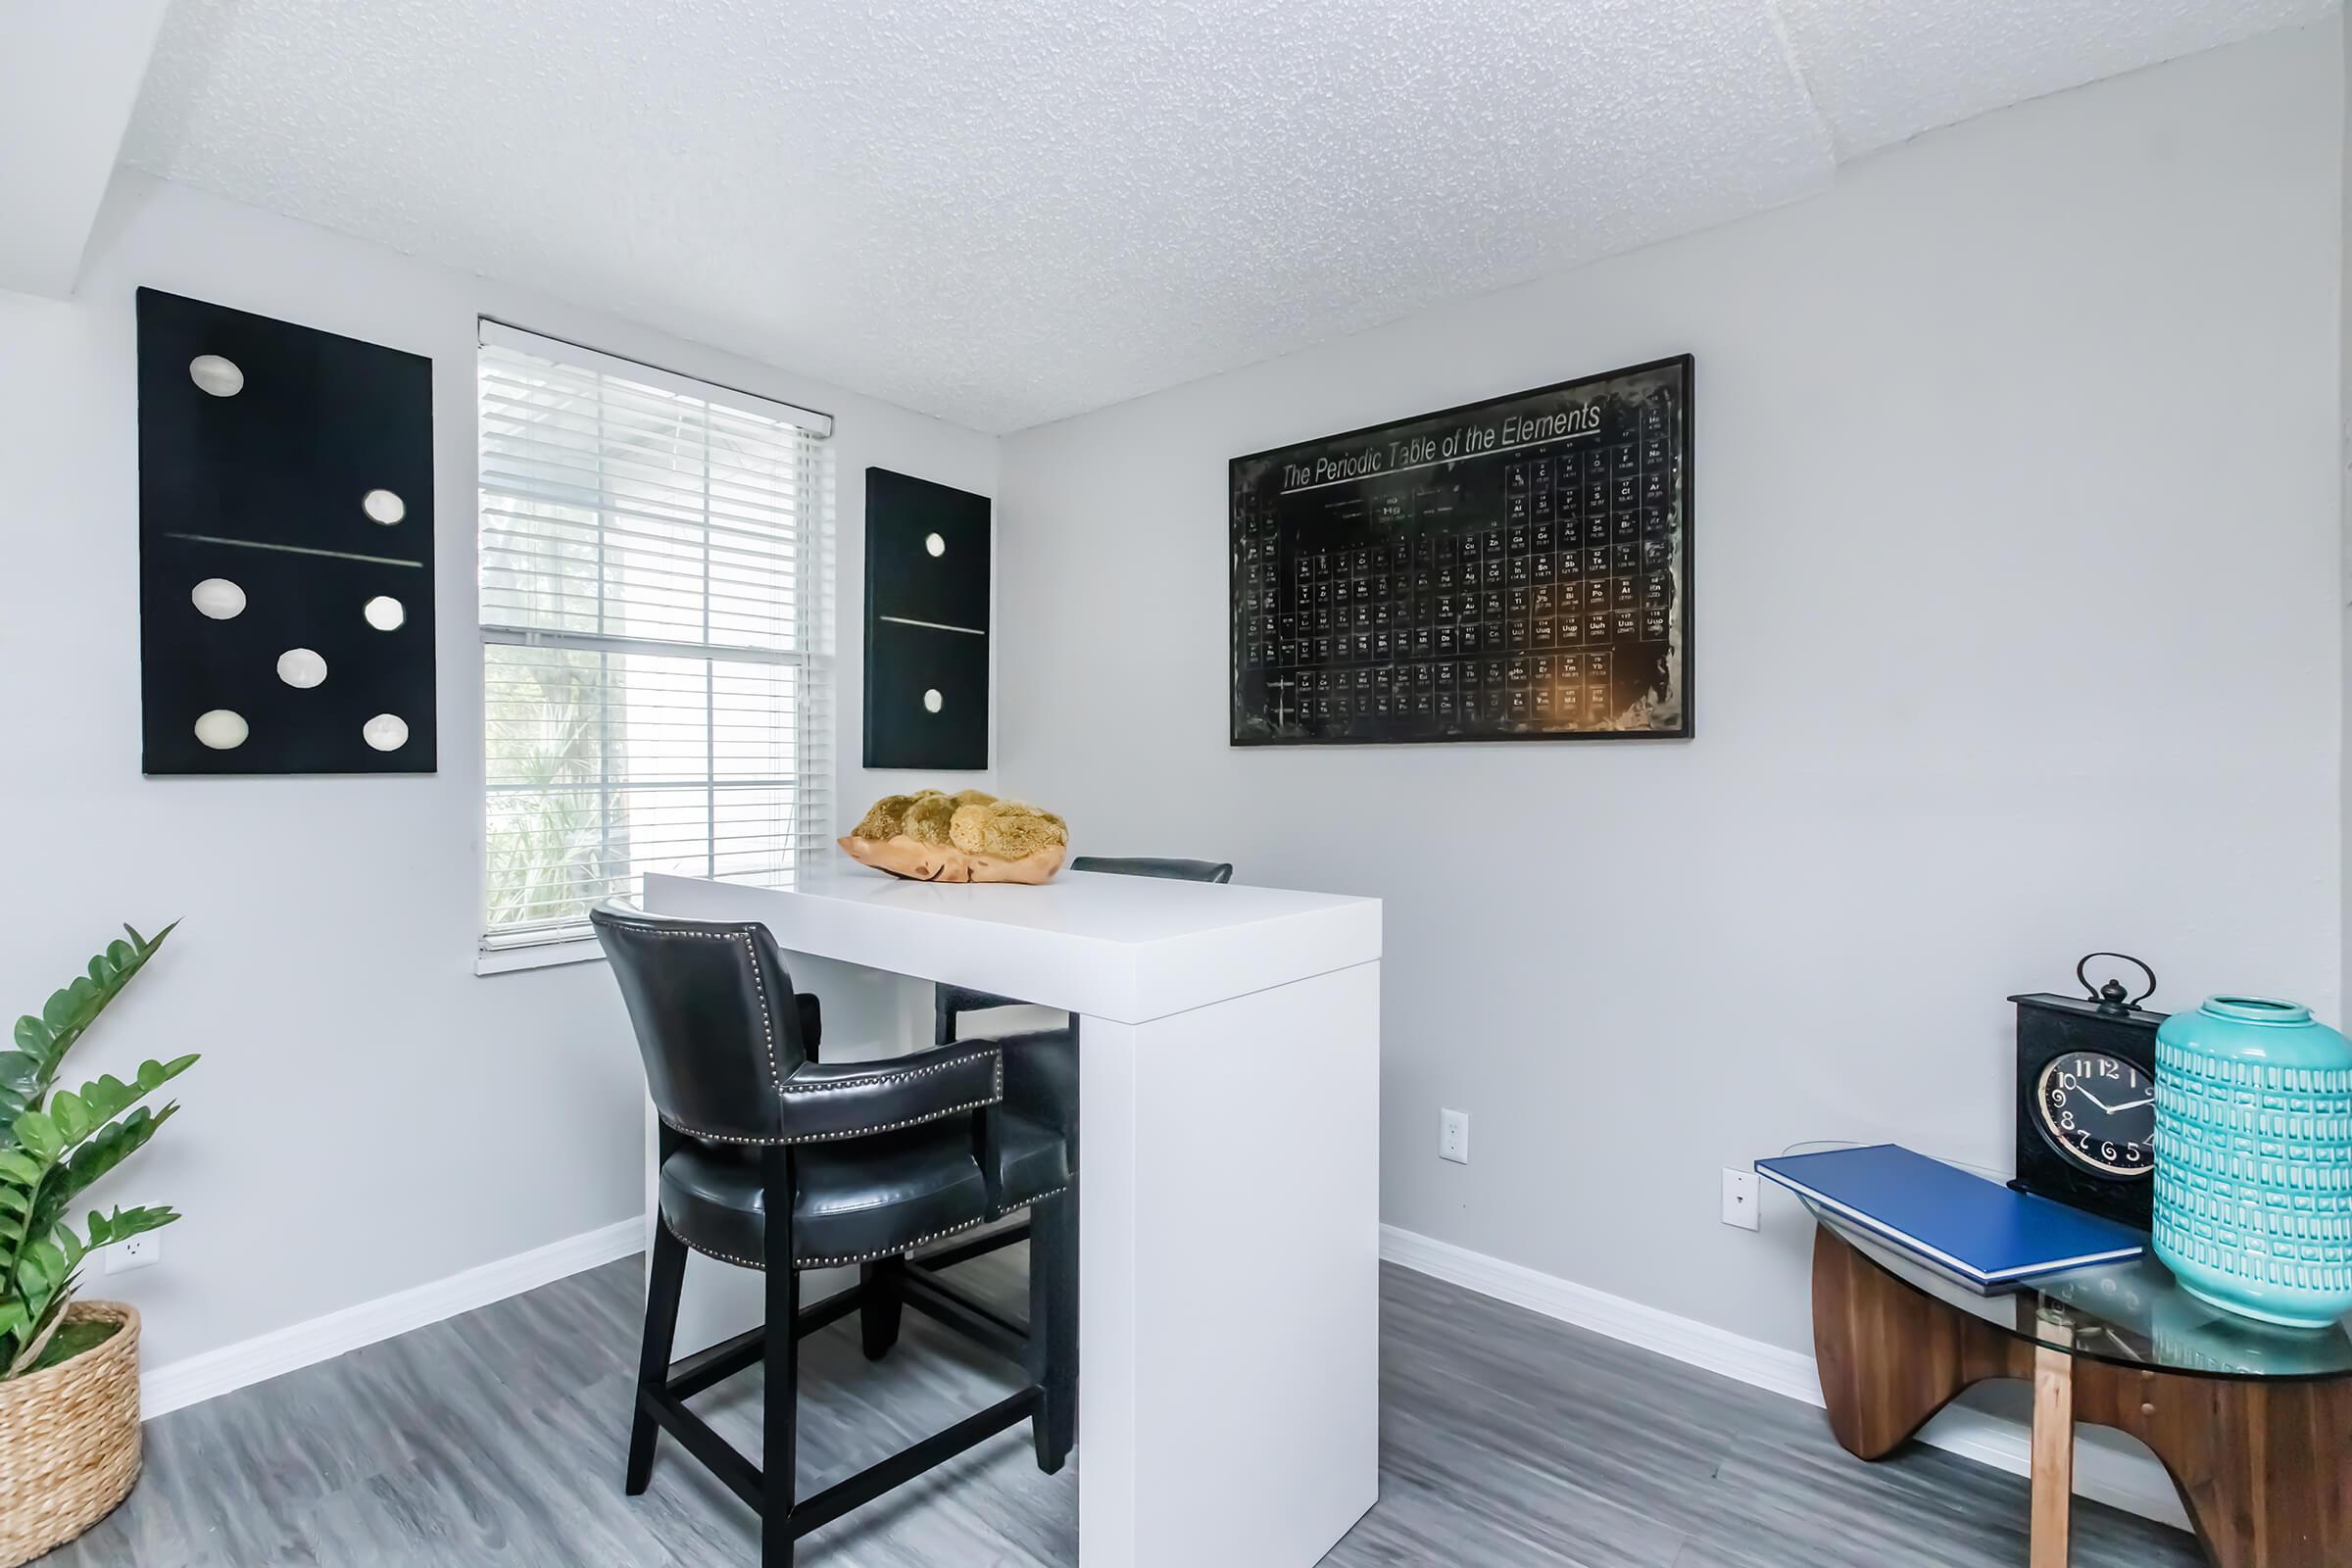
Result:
[1007,211]
[1883,71]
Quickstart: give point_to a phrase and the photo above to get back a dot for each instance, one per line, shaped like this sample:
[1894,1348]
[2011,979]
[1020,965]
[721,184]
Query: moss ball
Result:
[968,829]
[928,816]
[884,819]
[1009,828]
[1017,835]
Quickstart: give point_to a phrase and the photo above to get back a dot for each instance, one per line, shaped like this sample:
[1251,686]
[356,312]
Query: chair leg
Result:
[664,1281]
[881,1305]
[780,1418]
[1054,1326]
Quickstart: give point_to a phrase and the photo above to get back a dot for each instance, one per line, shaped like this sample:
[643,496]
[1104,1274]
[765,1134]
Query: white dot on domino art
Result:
[218,598]
[301,668]
[221,729]
[216,375]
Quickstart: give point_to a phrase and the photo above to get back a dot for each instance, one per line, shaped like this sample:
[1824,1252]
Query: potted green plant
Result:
[69,1368]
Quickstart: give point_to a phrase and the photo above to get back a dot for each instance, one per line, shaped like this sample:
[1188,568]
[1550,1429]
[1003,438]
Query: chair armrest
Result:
[847,1100]
[1041,1077]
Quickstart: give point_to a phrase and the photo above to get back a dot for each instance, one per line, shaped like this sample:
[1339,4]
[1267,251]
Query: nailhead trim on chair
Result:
[887,1252]
[821,1262]
[784,1086]
[862,1257]
[711,1138]
[1029,1202]
[768,1022]
[834,1137]
[893,1126]
[873,1080]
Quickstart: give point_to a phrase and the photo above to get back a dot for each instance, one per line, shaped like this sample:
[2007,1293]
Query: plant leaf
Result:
[40,1268]
[155,1074]
[21,1072]
[36,1132]
[49,1255]
[71,1113]
[109,1148]
[136,1221]
[54,1143]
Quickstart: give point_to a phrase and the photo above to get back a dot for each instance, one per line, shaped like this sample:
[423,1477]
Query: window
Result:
[655,675]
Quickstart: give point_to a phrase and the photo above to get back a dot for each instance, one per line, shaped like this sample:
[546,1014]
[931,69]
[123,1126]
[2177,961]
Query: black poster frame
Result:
[1685,506]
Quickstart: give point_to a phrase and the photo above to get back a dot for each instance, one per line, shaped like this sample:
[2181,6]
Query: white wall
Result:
[369,1116]
[2344,460]
[2027,430]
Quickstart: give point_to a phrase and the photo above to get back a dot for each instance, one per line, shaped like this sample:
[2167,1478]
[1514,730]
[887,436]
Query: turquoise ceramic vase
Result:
[2254,1159]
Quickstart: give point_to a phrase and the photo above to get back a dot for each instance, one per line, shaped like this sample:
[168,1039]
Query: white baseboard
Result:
[2131,1480]
[178,1384]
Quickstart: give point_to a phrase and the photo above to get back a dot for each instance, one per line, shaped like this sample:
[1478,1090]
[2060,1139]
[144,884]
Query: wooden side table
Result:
[2253,1423]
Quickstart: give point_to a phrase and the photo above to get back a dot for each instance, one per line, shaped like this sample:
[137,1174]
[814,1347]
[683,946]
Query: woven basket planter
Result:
[70,1440]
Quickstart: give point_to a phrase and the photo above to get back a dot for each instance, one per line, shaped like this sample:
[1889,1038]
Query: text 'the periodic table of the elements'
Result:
[1513,570]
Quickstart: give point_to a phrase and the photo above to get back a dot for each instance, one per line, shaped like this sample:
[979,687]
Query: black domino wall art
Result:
[285,547]
[926,625]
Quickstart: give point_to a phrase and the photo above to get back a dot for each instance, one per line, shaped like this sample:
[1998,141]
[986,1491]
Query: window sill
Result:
[543,955]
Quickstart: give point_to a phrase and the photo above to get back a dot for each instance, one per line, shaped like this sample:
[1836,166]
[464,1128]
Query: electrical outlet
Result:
[1454,1136]
[1740,1199]
[143,1250]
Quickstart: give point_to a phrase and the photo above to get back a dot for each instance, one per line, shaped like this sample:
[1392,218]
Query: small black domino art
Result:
[927,588]
[285,547]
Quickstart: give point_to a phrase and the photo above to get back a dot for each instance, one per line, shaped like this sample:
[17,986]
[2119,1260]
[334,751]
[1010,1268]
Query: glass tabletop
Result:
[2133,1314]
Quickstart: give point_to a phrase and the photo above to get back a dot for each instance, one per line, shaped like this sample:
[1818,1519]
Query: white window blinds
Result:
[655,593]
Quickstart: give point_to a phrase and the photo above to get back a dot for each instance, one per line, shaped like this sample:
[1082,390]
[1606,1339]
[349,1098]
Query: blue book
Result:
[1962,1223]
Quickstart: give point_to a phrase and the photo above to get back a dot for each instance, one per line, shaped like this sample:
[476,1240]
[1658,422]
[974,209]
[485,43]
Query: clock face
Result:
[2101,1112]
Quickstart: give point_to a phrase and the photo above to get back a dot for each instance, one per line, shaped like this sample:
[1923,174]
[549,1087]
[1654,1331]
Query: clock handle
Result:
[2099,993]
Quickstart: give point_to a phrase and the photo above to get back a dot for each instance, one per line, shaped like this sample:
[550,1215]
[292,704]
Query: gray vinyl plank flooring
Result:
[495,1440]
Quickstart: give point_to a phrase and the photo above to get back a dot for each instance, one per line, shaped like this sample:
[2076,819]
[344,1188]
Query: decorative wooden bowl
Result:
[969,836]
[918,861]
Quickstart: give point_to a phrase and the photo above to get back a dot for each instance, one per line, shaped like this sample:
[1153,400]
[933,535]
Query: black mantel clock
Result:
[2086,1096]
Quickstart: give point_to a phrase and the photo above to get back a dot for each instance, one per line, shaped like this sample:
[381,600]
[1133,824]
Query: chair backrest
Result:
[717,1019]
[1174,870]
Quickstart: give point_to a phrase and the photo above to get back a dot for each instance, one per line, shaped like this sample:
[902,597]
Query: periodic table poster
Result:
[1513,570]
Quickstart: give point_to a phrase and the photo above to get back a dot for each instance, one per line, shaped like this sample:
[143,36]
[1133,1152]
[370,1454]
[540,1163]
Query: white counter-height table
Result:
[1229,1093]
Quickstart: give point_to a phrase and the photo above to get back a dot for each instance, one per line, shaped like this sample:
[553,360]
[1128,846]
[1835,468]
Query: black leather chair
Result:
[773,1161]
[1041,1066]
